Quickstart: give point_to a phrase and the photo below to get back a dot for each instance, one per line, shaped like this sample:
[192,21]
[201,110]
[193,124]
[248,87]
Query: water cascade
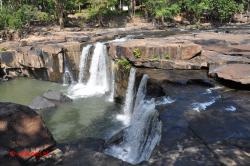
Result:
[67,75]
[83,63]
[112,82]
[129,99]
[98,83]
[144,132]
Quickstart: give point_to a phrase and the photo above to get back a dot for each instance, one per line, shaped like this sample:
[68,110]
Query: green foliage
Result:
[99,8]
[162,8]
[43,17]
[223,9]
[137,53]
[3,49]
[17,14]
[167,56]
[17,19]
[124,63]
[195,8]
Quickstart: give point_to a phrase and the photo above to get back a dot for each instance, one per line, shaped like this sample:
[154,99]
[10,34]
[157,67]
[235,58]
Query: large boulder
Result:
[239,73]
[22,131]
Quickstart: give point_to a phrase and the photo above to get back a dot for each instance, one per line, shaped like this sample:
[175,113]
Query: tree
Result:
[60,12]
[162,9]
[100,7]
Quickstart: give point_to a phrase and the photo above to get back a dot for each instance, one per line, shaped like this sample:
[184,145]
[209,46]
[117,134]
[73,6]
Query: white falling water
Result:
[83,63]
[97,84]
[129,99]
[67,75]
[144,132]
[112,81]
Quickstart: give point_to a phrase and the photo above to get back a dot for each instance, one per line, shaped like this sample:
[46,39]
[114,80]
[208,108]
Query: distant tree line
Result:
[16,14]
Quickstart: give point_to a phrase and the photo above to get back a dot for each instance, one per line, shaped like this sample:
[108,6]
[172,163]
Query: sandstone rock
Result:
[23,130]
[40,103]
[79,38]
[8,59]
[239,73]
[56,96]
[154,48]
[212,57]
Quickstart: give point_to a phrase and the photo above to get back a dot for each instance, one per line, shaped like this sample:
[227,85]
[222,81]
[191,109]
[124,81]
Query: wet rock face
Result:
[23,130]
[121,82]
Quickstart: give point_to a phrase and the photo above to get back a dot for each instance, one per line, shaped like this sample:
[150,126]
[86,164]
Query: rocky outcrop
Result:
[188,52]
[198,107]
[154,48]
[239,73]
[158,53]
[49,100]
[35,59]
[22,131]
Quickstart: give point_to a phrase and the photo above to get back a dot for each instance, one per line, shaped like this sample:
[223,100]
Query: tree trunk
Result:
[248,12]
[60,13]
[132,8]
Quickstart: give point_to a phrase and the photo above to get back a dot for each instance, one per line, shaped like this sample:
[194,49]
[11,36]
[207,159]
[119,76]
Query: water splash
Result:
[203,106]
[129,99]
[164,100]
[231,109]
[83,63]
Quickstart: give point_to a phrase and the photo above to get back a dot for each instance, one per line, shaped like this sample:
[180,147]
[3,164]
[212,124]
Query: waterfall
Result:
[112,82]
[83,63]
[98,83]
[98,69]
[144,132]
[67,75]
[129,99]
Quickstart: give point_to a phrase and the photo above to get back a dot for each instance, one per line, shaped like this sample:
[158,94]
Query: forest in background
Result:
[18,14]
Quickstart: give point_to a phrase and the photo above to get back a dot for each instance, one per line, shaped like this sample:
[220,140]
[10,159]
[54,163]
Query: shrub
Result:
[124,63]
[137,53]
[3,49]
[167,56]
[43,17]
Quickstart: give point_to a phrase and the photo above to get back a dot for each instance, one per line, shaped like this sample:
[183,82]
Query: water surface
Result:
[87,117]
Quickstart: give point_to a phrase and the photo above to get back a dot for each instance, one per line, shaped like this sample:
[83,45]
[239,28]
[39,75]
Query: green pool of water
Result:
[90,117]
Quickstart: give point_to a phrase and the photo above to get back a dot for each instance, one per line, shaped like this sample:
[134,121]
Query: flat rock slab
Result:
[56,96]
[23,130]
[239,73]
[41,103]
[155,48]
